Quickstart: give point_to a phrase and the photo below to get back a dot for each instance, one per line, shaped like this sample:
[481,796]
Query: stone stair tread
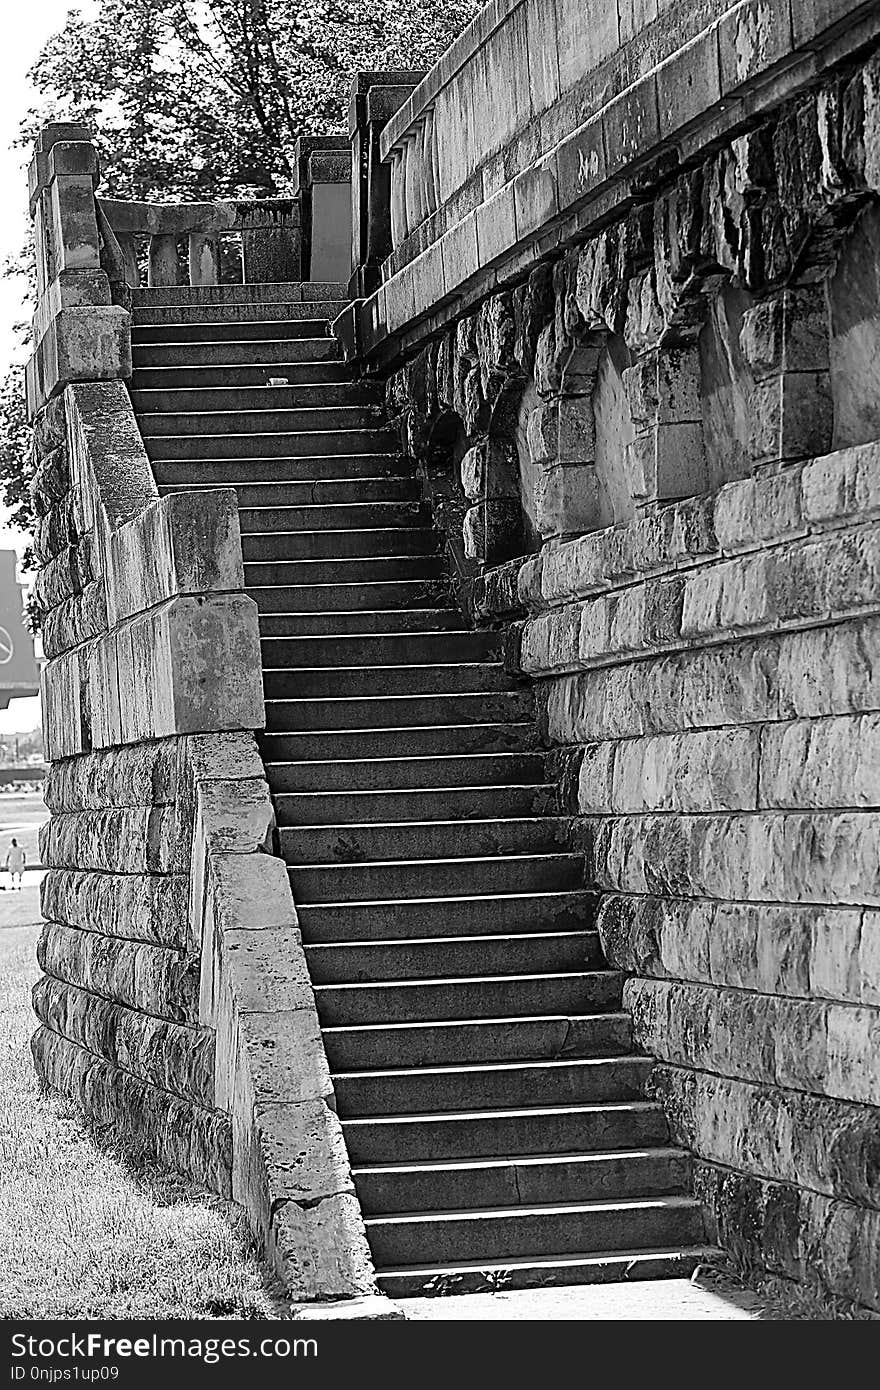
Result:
[484,1068]
[446,1165]
[439,898]
[634,1204]
[514,1112]
[470,980]
[396,825]
[534,1271]
[470,1022]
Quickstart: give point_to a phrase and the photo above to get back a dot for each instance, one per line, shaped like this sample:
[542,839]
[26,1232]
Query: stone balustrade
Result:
[268,229]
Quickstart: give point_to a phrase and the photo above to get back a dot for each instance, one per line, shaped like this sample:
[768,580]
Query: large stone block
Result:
[821,763]
[820,671]
[320,1250]
[140,907]
[715,770]
[151,978]
[820,857]
[179,1059]
[189,665]
[186,543]
[92,343]
[825,1145]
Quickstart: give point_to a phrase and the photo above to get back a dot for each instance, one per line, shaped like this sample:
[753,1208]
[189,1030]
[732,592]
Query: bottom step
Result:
[546,1271]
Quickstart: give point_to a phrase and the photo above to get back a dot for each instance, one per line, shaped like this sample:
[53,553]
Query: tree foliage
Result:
[205,99]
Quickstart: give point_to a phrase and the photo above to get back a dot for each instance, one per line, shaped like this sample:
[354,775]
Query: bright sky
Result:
[26,27]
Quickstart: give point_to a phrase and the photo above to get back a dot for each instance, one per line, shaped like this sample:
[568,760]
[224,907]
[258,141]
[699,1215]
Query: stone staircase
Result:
[490,1098]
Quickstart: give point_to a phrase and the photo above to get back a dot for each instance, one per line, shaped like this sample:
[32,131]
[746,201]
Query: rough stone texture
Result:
[677,409]
[175,1005]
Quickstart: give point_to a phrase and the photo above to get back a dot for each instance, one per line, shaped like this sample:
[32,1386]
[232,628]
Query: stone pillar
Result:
[324,168]
[271,250]
[375,96]
[204,258]
[786,342]
[164,268]
[79,334]
[666,460]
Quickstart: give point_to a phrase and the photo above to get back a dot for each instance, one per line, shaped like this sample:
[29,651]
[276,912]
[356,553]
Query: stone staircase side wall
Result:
[680,408]
[174,1006]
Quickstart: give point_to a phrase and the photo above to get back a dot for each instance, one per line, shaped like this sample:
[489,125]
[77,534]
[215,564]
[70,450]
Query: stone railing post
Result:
[324,173]
[79,334]
[375,96]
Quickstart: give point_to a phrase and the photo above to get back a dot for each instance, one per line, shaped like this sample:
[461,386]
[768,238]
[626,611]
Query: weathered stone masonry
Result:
[659,378]
[625,292]
[175,1004]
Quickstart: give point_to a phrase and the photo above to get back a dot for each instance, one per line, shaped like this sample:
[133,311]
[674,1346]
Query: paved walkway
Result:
[661,1300]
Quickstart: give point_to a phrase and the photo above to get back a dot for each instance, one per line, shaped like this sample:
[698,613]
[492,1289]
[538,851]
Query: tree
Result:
[205,99]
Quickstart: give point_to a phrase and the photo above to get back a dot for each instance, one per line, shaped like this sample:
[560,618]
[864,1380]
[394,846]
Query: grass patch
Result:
[83,1232]
[782,1300]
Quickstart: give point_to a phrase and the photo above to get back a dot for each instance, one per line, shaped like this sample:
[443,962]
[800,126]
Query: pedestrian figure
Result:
[15,862]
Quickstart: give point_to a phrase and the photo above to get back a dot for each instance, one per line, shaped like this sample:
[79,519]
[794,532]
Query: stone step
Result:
[335,516]
[375,1045]
[436,773]
[224,401]
[545,1271]
[281,472]
[342,443]
[269,292]
[433,839]
[399,711]
[380,649]
[203,322]
[491,1086]
[326,746]
[443,803]
[416,595]
[430,878]
[335,624]
[530,1180]
[304,354]
[311,493]
[265,421]
[458,916]
[431,957]
[389,542]
[538,1129]
[423,569]
[508,1233]
[498,996]
[213,371]
[351,682]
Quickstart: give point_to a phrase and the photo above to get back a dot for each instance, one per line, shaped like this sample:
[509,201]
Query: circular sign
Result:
[6,647]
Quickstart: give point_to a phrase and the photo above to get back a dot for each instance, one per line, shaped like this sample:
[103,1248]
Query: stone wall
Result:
[654,458]
[175,1005]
